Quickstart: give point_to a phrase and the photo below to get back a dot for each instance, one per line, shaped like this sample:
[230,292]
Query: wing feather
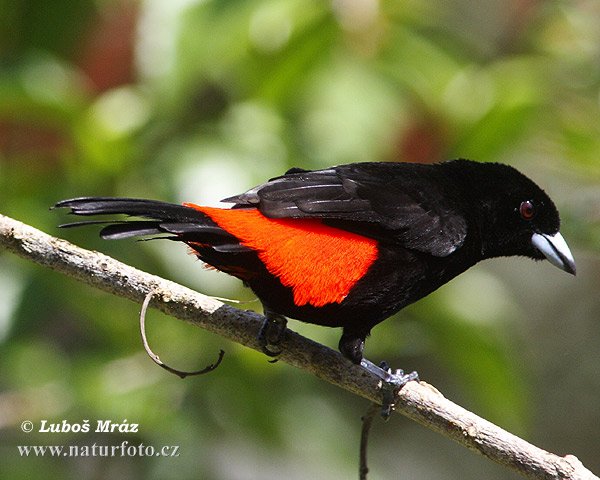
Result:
[408,204]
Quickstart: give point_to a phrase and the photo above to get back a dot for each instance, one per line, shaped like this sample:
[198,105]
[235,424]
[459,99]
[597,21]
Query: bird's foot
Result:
[391,383]
[272,333]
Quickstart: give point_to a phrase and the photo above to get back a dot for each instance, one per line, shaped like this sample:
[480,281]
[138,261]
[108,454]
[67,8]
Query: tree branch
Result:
[418,401]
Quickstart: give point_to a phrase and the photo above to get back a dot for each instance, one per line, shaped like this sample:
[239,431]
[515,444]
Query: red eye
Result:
[527,210]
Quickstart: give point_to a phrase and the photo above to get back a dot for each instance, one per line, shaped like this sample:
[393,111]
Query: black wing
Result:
[408,204]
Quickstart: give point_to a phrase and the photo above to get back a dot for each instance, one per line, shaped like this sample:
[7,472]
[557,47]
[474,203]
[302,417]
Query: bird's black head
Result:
[513,215]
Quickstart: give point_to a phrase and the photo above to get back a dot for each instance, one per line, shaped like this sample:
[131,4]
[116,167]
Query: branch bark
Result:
[417,400]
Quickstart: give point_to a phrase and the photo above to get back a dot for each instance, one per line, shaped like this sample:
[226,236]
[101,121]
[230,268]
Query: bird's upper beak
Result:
[556,250]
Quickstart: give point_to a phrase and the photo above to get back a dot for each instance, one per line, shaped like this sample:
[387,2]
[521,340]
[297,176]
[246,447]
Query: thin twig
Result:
[417,400]
[367,421]
[156,359]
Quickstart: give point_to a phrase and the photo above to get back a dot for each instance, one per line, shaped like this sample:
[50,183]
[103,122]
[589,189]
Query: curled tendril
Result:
[155,358]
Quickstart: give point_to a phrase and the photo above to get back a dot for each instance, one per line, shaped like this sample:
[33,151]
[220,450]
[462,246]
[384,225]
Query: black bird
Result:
[351,245]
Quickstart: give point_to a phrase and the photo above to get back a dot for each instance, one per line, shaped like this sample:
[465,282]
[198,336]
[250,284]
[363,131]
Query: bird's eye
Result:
[527,210]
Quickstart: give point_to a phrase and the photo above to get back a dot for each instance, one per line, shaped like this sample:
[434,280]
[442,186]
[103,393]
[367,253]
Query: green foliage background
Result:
[198,100]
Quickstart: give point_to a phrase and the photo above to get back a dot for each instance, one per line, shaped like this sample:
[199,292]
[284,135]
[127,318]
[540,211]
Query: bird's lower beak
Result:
[556,250]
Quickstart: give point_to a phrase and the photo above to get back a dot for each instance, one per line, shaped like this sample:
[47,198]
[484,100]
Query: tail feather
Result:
[131,206]
[180,222]
[121,230]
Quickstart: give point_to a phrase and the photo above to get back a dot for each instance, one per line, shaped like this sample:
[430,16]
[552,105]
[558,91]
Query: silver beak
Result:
[556,250]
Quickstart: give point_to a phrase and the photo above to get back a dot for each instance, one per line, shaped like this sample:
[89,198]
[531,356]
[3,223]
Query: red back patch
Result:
[319,263]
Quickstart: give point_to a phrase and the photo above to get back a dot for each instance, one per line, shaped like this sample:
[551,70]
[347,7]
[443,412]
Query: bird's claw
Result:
[391,384]
[390,389]
[271,334]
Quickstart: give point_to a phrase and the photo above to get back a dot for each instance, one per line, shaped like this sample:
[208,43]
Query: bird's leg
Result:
[272,333]
[391,383]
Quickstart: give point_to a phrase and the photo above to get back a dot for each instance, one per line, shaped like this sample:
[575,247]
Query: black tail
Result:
[178,222]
